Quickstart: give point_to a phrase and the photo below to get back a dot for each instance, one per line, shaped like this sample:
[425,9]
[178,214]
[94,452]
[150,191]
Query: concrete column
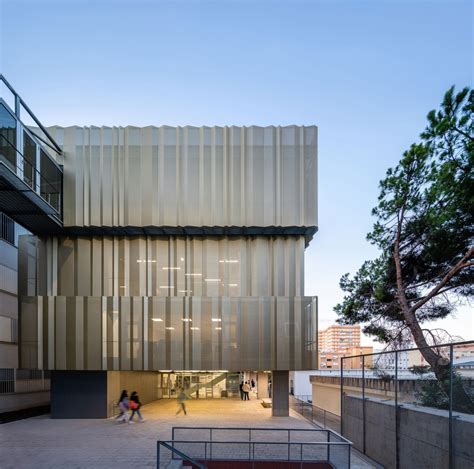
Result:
[262,385]
[280,390]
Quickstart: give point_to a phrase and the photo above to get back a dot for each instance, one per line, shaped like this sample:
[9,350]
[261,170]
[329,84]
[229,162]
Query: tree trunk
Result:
[439,364]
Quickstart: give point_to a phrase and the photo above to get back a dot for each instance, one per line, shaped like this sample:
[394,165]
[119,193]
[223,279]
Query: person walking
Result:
[246,389]
[182,398]
[253,383]
[123,406]
[135,405]
[241,389]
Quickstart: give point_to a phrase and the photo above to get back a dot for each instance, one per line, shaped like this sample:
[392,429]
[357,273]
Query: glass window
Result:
[7,137]
[29,163]
[51,181]
[7,332]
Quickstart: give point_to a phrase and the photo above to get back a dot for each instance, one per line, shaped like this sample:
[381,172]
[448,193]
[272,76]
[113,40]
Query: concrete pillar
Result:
[280,390]
[262,385]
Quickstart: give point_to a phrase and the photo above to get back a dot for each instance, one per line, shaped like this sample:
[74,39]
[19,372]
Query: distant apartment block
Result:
[336,342]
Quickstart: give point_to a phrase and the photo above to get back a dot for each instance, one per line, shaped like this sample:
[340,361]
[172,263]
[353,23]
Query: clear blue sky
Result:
[366,72]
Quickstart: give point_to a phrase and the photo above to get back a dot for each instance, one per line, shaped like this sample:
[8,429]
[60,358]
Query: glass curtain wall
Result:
[199,385]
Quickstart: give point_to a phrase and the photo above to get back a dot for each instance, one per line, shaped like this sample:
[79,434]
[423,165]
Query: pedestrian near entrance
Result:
[241,389]
[135,405]
[182,398]
[253,383]
[123,406]
[246,389]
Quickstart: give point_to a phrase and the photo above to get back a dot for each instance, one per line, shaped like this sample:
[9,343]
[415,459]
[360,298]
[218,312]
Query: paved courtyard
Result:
[42,442]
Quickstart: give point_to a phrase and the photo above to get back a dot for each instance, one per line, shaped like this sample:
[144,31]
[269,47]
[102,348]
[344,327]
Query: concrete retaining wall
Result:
[423,434]
[24,400]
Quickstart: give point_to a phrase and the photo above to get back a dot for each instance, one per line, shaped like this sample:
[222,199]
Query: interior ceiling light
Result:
[166,286]
[182,259]
[171,268]
[218,328]
[190,274]
[157,319]
[233,284]
[170,328]
[216,319]
[228,261]
[185,291]
[194,328]
[145,260]
[212,279]
[186,320]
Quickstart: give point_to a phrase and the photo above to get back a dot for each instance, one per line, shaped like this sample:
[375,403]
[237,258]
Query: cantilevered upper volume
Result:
[204,181]
[166,230]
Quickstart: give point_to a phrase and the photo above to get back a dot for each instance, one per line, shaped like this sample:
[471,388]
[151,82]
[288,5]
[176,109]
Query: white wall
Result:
[301,383]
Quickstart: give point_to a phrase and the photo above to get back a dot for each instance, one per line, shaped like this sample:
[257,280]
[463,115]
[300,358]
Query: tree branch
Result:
[462,264]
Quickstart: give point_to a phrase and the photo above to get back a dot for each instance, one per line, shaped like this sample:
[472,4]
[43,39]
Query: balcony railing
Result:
[14,160]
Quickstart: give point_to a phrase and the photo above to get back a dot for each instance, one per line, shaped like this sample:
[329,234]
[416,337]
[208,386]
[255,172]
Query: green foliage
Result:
[434,393]
[428,201]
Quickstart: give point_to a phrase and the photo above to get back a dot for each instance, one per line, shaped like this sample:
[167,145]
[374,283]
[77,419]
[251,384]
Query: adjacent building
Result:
[336,342]
[163,257]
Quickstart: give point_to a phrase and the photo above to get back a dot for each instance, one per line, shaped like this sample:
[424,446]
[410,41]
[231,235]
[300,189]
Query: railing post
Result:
[14,379]
[451,422]
[329,446]
[363,404]
[342,394]
[397,435]
[17,106]
[158,454]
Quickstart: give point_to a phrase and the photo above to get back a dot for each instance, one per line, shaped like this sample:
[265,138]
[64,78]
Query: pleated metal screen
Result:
[151,333]
[150,266]
[189,176]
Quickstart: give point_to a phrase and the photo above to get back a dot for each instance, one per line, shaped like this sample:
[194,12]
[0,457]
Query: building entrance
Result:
[199,384]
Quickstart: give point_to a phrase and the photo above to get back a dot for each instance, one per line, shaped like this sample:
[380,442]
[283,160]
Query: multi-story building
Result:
[338,338]
[336,342]
[162,258]
[353,361]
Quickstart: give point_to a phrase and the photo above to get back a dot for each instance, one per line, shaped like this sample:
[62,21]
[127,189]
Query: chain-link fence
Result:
[412,407]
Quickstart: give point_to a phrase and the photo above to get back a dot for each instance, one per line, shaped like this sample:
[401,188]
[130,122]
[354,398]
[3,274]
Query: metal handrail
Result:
[251,429]
[26,161]
[313,443]
[37,174]
[175,451]
[301,403]
[247,440]
[251,456]
[18,98]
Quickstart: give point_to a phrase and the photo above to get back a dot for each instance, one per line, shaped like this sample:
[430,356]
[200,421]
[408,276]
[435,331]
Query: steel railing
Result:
[263,444]
[303,405]
[13,381]
[180,455]
[403,379]
[7,228]
[29,174]
[18,105]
